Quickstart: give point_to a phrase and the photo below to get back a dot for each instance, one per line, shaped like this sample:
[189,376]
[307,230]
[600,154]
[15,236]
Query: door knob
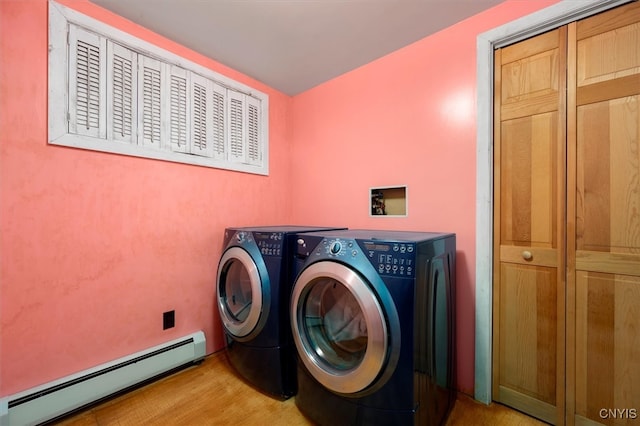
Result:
[527,255]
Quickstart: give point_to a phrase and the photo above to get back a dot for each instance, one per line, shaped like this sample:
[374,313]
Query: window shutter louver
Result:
[236,126]
[201,125]
[122,94]
[218,121]
[254,154]
[87,113]
[178,110]
[199,115]
[150,78]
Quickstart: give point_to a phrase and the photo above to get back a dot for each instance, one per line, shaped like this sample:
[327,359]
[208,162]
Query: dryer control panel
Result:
[391,258]
[339,248]
[269,243]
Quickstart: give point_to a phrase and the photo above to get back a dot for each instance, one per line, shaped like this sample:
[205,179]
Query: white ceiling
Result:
[294,45]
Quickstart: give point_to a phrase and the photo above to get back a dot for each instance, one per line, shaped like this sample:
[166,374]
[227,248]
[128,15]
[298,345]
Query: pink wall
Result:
[96,246]
[405,119]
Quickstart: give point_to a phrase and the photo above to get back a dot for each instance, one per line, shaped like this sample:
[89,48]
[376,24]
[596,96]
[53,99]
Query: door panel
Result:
[528,330]
[607,46]
[531,81]
[529,190]
[608,176]
[529,167]
[607,346]
[607,206]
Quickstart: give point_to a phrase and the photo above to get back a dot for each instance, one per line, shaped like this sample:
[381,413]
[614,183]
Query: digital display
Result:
[377,247]
[260,236]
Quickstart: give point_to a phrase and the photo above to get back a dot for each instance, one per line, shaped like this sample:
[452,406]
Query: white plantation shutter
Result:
[150,102]
[218,127]
[236,126]
[201,125]
[87,52]
[121,93]
[178,110]
[245,133]
[112,92]
[254,151]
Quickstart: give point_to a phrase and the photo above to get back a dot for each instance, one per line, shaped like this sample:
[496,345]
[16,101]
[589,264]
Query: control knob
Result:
[335,247]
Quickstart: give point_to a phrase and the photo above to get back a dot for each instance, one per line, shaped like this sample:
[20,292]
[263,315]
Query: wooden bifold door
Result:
[566,307]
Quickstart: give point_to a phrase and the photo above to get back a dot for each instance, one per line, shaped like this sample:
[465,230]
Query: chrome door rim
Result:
[234,327]
[358,378]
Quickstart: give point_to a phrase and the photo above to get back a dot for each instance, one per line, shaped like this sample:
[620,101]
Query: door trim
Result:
[536,23]
[252,324]
[375,360]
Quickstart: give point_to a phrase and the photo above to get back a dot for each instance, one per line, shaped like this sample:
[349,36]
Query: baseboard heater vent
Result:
[54,399]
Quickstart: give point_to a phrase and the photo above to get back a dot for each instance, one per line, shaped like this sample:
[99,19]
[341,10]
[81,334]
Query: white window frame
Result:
[65,22]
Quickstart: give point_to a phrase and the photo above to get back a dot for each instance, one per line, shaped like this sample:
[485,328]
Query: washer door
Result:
[239,293]
[339,327]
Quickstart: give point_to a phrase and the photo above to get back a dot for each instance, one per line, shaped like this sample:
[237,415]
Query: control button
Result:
[300,242]
[395,247]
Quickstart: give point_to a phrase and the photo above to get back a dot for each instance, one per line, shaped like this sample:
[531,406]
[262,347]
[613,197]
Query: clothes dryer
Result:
[253,290]
[372,315]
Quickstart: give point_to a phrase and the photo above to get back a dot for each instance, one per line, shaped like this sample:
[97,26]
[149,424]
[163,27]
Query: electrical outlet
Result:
[168,320]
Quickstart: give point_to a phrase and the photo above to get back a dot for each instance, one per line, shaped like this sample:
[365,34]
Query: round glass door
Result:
[239,292]
[339,327]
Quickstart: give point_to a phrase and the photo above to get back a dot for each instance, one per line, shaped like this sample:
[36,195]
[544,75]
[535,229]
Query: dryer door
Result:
[239,291]
[338,327]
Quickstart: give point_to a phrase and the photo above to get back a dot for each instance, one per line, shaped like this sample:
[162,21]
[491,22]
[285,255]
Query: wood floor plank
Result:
[212,394]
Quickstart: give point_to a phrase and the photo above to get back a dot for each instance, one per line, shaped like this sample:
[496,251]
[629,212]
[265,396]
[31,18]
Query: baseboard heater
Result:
[54,399]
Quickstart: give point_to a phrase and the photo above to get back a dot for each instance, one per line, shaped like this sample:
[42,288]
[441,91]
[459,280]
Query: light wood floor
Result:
[211,394]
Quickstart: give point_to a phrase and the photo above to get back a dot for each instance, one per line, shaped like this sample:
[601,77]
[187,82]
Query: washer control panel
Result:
[391,258]
[269,243]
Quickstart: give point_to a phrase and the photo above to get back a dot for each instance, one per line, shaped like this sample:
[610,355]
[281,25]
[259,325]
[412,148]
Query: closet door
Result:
[529,216]
[605,286]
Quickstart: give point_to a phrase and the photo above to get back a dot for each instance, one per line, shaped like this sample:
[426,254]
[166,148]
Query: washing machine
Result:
[372,316]
[253,290]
